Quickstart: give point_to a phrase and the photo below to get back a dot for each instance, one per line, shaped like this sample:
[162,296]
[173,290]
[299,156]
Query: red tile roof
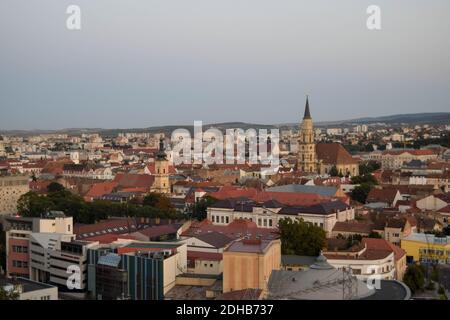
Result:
[109,238]
[334,153]
[99,189]
[382,195]
[287,198]
[128,180]
[382,244]
[235,230]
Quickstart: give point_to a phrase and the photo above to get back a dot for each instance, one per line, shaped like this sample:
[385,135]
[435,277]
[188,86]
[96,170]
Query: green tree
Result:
[55,187]
[374,234]
[157,200]
[368,167]
[360,193]
[301,238]
[333,171]
[415,277]
[8,295]
[32,204]
[200,208]
[366,178]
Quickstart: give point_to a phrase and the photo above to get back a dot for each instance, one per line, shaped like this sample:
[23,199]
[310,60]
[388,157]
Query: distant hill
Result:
[437,118]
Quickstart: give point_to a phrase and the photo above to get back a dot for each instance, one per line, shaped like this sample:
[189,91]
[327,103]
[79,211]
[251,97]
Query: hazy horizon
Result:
[139,64]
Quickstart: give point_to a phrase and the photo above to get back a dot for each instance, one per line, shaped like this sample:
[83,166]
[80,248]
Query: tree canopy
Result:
[199,209]
[32,204]
[8,295]
[360,193]
[414,277]
[301,238]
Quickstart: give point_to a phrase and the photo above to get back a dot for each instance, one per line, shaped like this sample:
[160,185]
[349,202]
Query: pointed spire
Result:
[307,113]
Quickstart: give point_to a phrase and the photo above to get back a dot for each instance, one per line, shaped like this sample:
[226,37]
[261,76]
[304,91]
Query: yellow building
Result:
[249,263]
[162,182]
[426,248]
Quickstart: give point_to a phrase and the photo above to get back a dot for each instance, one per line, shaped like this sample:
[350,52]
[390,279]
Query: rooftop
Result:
[25,284]
[250,246]
[428,238]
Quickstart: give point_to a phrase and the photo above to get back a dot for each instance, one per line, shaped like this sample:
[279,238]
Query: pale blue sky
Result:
[138,63]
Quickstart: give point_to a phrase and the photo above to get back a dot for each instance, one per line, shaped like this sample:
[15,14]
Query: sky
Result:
[141,63]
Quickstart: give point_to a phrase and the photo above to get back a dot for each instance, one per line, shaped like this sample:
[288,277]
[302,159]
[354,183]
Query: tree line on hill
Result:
[58,198]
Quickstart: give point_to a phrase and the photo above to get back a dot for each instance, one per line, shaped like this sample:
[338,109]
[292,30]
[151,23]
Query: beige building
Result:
[11,188]
[395,159]
[248,264]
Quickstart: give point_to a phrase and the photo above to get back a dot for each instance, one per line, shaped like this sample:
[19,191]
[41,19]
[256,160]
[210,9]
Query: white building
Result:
[269,213]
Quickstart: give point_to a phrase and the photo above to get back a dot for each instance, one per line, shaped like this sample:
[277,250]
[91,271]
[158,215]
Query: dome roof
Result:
[321,263]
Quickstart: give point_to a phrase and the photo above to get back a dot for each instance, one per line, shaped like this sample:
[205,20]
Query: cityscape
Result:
[93,216]
[193,175]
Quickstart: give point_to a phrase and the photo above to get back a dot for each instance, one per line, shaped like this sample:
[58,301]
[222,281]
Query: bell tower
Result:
[162,183]
[306,160]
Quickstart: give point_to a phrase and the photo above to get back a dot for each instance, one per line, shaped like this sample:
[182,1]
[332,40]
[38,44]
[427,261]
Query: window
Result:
[259,222]
[265,222]
[222,219]
[211,265]
[227,219]
[68,228]
[20,249]
[20,264]
[270,222]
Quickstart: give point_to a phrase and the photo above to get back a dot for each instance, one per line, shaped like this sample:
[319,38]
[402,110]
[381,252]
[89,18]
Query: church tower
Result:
[161,184]
[306,161]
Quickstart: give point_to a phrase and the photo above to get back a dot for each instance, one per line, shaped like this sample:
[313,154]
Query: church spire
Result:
[307,113]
